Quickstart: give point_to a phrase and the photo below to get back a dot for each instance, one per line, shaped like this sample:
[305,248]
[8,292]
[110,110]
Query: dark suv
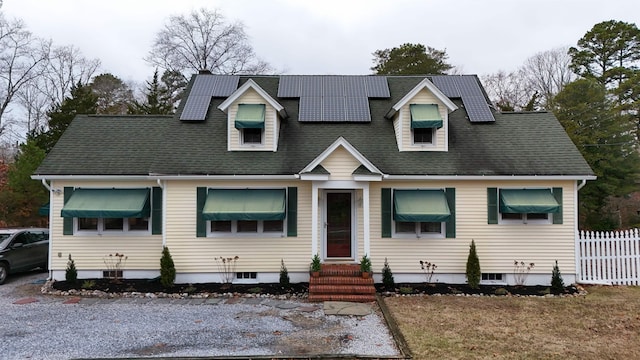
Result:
[23,250]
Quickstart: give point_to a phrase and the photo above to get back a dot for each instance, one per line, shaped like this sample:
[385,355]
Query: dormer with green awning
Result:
[425,116]
[250,116]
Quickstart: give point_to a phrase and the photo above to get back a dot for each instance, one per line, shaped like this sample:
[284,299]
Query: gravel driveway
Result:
[52,328]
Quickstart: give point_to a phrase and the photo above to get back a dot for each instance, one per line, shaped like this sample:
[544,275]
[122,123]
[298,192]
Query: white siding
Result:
[89,251]
[340,164]
[497,245]
[270,117]
[193,254]
[402,124]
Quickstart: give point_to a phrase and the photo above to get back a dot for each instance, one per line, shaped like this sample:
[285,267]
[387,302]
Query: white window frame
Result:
[100,230]
[253,144]
[259,233]
[524,219]
[418,234]
[424,144]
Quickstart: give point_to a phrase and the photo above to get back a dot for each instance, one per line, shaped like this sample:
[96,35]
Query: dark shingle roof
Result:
[515,144]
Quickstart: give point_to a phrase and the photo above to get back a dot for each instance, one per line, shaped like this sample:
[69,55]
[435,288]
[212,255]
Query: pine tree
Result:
[71,273]
[557,284]
[284,275]
[167,269]
[473,267]
[387,276]
[158,99]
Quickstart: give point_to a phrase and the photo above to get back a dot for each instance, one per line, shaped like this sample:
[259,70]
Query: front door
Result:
[339,224]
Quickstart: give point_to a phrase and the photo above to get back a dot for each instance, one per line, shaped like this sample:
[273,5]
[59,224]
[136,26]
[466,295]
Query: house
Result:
[271,168]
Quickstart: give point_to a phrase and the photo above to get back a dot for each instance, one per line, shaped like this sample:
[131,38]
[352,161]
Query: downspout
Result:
[582,184]
[164,212]
[48,187]
[576,240]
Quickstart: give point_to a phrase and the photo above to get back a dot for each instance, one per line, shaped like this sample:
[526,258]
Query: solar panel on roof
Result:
[473,99]
[310,108]
[354,86]
[357,109]
[289,86]
[196,107]
[333,108]
[447,85]
[332,86]
[311,86]
[376,86]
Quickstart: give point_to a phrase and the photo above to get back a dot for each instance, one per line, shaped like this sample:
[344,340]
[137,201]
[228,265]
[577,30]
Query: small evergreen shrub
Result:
[387,276]
[71,273]
[167,269]
[285,282]
[557,284]
[473,267]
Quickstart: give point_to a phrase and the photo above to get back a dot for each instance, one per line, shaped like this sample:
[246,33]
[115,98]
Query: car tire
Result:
[4,272]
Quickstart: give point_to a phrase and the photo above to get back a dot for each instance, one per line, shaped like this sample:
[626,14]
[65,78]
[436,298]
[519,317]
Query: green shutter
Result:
[386,212]
[557,194]
[492,205]
[451,222]
[292,211]
[156,211]
[67,222]
[201,223]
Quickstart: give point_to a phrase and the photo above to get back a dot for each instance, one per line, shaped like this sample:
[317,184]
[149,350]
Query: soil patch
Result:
[464,289]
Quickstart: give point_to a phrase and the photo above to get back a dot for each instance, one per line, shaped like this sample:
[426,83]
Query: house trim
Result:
[242,89]
[350,148]
[425,83]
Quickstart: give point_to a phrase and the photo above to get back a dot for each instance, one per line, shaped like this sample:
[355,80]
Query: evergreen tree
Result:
[167,269]
[114,95]
[387,276]
[22,196]
[81,101]
[557,284]
[285,282]
[605,140]
[71,273]
[473,267]
[158,99]
[410,59]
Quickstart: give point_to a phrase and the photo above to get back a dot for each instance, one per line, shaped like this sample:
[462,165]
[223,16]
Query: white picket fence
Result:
[609,257]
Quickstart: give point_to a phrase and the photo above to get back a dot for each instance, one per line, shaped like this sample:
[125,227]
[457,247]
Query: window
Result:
[422,136]
[492,277]
[524,206]
[112,225]
[246,227]
[420,229]
[251,136]
[246,275]
[420,213]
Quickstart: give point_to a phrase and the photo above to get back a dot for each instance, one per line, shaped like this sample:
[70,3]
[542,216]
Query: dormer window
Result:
[425,120]
[250,122]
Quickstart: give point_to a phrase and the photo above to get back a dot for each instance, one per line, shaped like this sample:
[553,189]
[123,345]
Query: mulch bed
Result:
[154,286]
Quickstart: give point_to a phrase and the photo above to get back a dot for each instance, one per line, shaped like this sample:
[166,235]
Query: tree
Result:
[606,142]
[158,99]
[473,267]
[22,197]
[204,40]
[547,73]
[167,269]
[410,59]
[81,101]
[113,95]
[22,58]
[608,53]
[509,90]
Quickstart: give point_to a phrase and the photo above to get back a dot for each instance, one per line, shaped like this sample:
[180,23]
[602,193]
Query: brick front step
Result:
[341,282]
[343,289]
[341,297]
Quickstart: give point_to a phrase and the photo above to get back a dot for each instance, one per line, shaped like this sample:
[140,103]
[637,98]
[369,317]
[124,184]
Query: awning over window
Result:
[250,116]
[425,116]
[244,204]
[528,201]
[108,203]
[420,206]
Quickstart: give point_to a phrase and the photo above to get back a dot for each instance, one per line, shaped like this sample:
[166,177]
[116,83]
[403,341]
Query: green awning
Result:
[108,203]
[523,201]
[244,204]
[420,206]
[425,116]
[44,210]
[250,116]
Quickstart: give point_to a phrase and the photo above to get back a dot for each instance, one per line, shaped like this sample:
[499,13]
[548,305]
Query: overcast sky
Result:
[327,36]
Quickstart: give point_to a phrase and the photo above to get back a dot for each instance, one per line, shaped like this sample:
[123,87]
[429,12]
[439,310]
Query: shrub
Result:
[167,269]
[521,271]
[473,267]
[387,276]
[115,264]
[71,273]
[557,284]
[428,268]
[365,264]
[315,264]
[285,282]
[227,268]
[88,284]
